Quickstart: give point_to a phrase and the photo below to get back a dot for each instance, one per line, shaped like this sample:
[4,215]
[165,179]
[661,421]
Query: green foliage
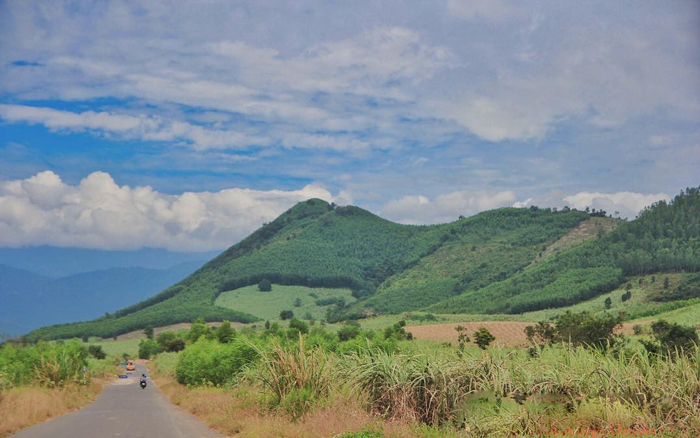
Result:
[297,326]
[148,331]
[483,337]
[209,362]
[578,329]
[689,288]
[672,339]
[199,329]
[665,238]
[286,314]
[264,285]
[608,302]
[96,352]
[49,365]
[397,332]
[348,332]
[225,333]
[148,348]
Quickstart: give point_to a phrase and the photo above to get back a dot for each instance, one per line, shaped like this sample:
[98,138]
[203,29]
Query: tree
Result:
[225,333]
[297,325]
[148,331]
[175,345]
[197,330]
[348,331]
[264,285]
[672,339]
[483,337]
[267,325]
[163,338]
[462,337]
[608,303]
[666,283]
[297,302]
[148,348]
[626,296]
[286,314]
[96,352]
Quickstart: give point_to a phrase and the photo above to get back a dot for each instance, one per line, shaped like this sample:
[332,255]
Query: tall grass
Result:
[46,364]
[298,377]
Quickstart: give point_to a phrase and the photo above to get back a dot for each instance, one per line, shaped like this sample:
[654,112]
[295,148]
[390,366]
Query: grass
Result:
[118,348]
[268,305]
[28,405]
[639,302]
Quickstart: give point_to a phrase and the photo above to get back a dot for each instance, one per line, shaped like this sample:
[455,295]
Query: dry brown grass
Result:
[239,412]
[25,406]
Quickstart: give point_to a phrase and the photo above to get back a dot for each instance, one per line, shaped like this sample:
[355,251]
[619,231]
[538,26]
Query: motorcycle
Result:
[143,384]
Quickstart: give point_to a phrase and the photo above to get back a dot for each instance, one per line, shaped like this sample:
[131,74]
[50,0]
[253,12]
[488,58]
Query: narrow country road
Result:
[124,410]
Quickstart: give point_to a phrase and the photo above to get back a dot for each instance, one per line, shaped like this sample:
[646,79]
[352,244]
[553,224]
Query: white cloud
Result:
[418,209]
[127,126]
[99,213]
[491,10]
[626,204]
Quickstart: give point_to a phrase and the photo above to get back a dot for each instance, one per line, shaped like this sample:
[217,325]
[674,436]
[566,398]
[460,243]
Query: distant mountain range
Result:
[55,262]
[30,300]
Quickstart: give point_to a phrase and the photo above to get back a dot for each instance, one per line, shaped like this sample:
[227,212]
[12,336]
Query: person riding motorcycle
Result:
[142,381]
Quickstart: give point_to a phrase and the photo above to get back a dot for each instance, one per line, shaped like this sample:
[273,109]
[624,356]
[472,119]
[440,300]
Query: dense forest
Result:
[664,238]
[480,264]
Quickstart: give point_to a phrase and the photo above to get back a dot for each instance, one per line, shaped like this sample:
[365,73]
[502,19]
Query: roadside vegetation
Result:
[41,381]
[299,379]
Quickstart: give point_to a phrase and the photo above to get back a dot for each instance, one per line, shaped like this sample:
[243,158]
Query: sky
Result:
[187,125]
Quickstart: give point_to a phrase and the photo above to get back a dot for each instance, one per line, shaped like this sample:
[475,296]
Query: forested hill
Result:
[393,268]
[664,238]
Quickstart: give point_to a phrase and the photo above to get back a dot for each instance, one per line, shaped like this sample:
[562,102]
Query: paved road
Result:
[124,410]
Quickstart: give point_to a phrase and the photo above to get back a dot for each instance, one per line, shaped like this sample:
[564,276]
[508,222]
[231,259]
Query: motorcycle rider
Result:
[143,379]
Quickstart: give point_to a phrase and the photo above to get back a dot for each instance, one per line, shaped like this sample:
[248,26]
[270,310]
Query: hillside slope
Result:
[481,264]
[665,238]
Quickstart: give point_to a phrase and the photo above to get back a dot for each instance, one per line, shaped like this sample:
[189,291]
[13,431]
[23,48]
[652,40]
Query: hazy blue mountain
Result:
[29,300]
[50,261]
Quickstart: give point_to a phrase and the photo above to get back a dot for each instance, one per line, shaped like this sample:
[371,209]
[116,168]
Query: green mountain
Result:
[507,260]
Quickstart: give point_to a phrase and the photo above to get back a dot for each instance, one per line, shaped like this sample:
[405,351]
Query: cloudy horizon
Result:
[186,126]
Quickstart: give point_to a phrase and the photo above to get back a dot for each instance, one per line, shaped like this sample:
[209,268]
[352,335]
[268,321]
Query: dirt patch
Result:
[507,333]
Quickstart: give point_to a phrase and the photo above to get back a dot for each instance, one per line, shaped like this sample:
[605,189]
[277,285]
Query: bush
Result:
[582,329]
[347,332]
[175,345]
[672,339]
[213,363]
[96,352]
[297,326]
[264,285]
[483,337]
[225,333]
[148,349]
[286,314]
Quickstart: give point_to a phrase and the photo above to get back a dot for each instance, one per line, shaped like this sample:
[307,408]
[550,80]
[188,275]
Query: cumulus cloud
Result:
[418,209]
[619,204]
[99,213]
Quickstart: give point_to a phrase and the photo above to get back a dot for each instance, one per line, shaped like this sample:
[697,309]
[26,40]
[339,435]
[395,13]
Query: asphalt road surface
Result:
[124,410]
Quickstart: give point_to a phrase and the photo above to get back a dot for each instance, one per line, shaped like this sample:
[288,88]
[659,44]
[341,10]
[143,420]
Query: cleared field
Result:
[268,305]
[507,333]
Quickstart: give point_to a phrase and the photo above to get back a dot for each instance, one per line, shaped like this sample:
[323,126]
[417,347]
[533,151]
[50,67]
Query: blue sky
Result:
[186,125]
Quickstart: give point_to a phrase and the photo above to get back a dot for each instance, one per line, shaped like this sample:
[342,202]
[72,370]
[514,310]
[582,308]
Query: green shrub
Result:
[148,349]
[210,362]
[264,285]
[96,352]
